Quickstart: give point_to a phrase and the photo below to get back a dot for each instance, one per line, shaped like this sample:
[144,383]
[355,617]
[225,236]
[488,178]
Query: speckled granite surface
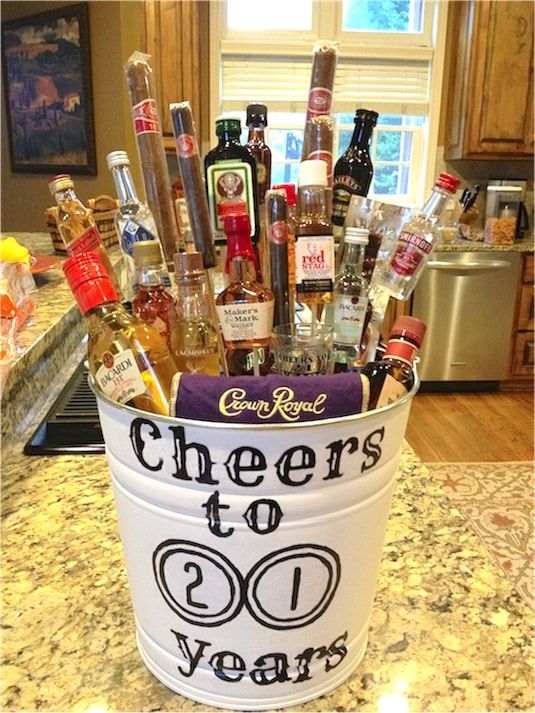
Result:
[520,246]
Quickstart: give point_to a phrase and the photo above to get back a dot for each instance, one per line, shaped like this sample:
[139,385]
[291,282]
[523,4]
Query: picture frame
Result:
[46,67]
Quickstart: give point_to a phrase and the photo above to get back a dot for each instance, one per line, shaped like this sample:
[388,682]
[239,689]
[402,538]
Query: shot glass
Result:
[302,349]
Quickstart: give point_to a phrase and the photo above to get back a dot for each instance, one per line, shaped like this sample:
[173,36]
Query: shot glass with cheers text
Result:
[302,349]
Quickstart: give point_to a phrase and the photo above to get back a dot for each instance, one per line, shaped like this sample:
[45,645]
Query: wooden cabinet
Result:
[488,112]
[523,362]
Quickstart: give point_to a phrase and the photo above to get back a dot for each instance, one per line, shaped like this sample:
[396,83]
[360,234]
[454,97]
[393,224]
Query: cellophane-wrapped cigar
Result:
[147,128]
[320,93]
[277,243]
[187,151]
[318,142]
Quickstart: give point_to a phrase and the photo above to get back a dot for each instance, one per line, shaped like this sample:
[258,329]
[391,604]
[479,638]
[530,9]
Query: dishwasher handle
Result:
[467,267]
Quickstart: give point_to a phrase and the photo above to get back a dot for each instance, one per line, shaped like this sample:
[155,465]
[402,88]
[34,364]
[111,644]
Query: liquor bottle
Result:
[257,122]
[128,359]
[153,303]
[291,200]
[399,274]
[353,172]
[230,172]
[393,376]
[76,224]
[351,306]
[245,308]
[194,340]
[134,220]
[314,243]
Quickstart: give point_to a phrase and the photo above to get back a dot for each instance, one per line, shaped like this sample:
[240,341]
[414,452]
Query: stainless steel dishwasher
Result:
[467,300]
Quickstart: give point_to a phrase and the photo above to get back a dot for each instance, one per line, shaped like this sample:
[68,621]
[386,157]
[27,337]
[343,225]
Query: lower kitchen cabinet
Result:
[523,362]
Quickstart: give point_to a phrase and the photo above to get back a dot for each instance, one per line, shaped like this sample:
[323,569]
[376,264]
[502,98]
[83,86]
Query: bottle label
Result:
[132,233]
[314,263]
[186,146]
[349,316]
[247,321]
[391,391]
[145,116]
[278,232]
[182,215]
[90,241]
[319,102]
[119,376]
[230,183]
[411,249]
[261,173]
[343,188]
[401,349]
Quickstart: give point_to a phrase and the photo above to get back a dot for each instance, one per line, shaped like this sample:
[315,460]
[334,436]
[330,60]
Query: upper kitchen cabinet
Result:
[489,109]
[176,36]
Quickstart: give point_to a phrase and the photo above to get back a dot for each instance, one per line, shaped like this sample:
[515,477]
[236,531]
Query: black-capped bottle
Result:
[353,172]
[393,377]
[256,143]
[231,185]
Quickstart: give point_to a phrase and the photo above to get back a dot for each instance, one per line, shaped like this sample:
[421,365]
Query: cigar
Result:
[147,128]
[318,142]
[187,152]
[320,93]
[277,239]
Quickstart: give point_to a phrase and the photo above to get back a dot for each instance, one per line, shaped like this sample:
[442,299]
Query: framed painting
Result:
[47,87]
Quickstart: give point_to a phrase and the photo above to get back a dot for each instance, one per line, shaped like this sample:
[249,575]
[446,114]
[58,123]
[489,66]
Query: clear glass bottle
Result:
[153,303]
[256,143]
[393,377]
[245,308]
[230,172]
[350,307]
[128,359]
[77,226]
[353,172]
[194,340]
[314,243]
[415,242]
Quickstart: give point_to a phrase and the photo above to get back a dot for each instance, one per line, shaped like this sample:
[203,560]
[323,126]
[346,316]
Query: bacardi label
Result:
[89,241]
[411,249]
[349,316]
[247,321]
[145,116]
[230,183]
[119,376]
[314,263]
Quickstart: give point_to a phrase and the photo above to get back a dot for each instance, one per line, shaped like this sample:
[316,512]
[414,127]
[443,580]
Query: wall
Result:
[116,30]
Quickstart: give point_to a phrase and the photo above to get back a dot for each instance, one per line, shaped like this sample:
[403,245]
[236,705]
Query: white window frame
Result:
[429,45]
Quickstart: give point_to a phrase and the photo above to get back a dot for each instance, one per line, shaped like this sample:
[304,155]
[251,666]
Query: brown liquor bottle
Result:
[245,308]
[257,122]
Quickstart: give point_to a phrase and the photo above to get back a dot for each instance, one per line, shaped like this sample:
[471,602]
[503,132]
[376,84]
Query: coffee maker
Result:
[508,197]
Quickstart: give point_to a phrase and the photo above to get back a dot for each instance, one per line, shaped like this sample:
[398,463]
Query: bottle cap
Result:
[147,253]
[257,114]
[366,115]
[313,172]
[408,326]
[227,124]
[239,244]
[89,281]
[359,236]
[291,195]
[60,183]
[117,158]
[447,182]
[188,264]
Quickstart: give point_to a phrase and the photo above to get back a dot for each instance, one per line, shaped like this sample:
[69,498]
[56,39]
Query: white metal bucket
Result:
[252,552]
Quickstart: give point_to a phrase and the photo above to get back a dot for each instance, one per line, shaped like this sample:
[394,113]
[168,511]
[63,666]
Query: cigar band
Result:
[319,101]
[278,233]
[186,146]
[145,116]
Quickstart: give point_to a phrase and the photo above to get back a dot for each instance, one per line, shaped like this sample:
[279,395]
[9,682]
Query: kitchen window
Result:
[390,60]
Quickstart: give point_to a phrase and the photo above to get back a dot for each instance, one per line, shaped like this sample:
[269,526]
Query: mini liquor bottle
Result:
[350,307]
[77,226]
[353,172]
[245,308]
[230,171]
[153,303]
[393,377]
[194,340]
[314,243]
[415,243]
[256,143]
[128,359]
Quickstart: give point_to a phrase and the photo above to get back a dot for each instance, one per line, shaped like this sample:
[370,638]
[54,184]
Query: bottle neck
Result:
[150,276]
[192,303]
[312,200]
[352,258]
[124,185]
[241,269]
[435,203]
[67,194]
[362,134]
[401,348]
[256,132]
[99,312]
[229,137]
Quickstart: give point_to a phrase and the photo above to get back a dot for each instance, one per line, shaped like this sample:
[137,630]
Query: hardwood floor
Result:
[470,427]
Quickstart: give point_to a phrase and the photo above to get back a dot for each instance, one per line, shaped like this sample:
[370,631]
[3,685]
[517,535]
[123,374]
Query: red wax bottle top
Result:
[89,281]
[410,327]
[448,182]
[291,195]
[239,244]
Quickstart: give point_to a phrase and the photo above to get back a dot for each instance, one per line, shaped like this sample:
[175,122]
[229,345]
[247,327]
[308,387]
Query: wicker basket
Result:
[103,208]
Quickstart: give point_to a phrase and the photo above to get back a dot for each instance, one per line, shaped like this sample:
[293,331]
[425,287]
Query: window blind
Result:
[389,87]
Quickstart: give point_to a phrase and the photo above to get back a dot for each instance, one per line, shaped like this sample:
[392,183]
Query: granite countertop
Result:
[448,631]
[460,245]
